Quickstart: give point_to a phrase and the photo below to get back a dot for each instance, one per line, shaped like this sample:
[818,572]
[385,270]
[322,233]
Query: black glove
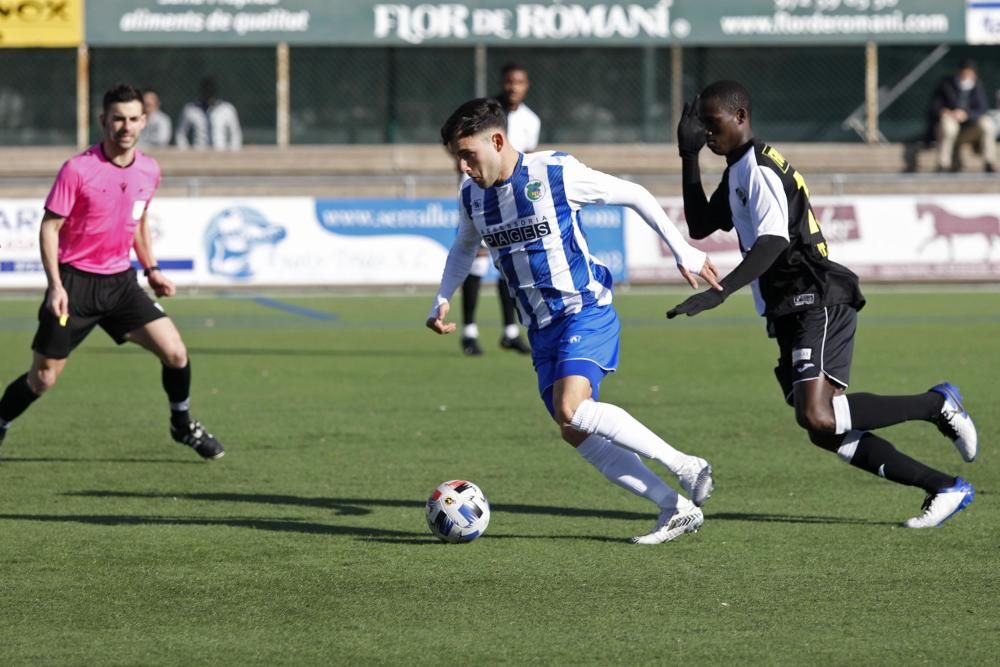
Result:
[695,304]
[690,131]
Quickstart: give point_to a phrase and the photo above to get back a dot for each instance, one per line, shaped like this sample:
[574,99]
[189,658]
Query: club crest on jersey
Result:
[742,195]
[534,190]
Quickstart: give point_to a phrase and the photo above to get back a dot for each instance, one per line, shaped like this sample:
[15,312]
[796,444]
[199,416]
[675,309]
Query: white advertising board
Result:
[918,238]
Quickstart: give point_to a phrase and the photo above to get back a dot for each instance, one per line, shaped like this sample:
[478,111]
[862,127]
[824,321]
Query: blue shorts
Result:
[582,344]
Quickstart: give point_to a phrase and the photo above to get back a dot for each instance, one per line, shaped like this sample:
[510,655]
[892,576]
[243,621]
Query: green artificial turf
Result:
[306,544]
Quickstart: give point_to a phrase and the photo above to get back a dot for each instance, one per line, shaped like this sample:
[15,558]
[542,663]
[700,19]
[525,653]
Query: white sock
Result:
[470,331]
[183,406]
[626,469]
[624,430]
[511,331]
[841,414]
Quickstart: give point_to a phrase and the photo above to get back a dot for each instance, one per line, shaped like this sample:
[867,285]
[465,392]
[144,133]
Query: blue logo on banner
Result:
[437,219]
[231,237]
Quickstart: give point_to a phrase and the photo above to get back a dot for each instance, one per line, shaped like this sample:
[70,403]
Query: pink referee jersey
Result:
[102,204]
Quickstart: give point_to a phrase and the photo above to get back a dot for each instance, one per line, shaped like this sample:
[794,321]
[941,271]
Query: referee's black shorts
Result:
[813,344]
[114,302]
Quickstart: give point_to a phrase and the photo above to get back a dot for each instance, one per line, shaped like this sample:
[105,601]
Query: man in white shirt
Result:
[209,122]
[523,127]
[159,127]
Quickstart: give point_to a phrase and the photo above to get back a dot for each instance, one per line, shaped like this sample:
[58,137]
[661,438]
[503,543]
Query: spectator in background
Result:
[209,122]
[11,108]
[959,115]
[523,127]
[995,115]
[159,127]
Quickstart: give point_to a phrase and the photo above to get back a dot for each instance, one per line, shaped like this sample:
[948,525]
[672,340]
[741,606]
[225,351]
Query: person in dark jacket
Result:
[958,115]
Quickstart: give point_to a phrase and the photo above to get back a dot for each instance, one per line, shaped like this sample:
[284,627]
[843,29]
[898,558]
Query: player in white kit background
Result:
[526,209]
[523,129]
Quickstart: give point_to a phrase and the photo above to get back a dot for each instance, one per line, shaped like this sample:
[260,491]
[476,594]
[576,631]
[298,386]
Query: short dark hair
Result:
[121,92]
[482,113]
[208,88]
[512,67]
[731,94]
[968,63]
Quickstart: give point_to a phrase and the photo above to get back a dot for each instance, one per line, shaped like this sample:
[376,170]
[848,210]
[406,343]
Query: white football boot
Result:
[955,423]
[941,506]
[696,480]
[672,524]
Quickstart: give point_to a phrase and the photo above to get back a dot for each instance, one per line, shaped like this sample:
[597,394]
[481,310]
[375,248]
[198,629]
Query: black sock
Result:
[506,304]
[470,297]
[16,399]
[177,384]
[879,457]
[870,411]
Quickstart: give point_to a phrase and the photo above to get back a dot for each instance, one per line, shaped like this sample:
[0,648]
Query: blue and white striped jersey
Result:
[530,224]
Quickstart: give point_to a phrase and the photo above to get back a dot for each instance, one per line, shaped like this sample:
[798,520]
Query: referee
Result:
[810,303]
[94,215]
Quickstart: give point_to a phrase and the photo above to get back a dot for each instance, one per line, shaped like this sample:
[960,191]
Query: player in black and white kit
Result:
[810,303]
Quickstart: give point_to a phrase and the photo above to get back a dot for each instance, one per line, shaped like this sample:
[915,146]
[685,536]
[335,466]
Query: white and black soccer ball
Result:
[458,511]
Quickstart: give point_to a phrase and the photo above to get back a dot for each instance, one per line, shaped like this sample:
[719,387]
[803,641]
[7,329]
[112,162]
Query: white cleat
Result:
[941,506]
[671,525]
[955,423]
[696,480]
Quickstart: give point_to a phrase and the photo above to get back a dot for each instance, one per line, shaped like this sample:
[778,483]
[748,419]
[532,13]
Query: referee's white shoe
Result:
[671,525]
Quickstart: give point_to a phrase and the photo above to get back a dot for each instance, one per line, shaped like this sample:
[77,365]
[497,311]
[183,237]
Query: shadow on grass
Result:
[46,459]
[280,352]
[277,525]
[360,506]
[382,535]
[791,518]
[363,506]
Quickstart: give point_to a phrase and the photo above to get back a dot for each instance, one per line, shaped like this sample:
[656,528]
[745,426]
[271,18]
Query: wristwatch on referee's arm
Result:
[154,267]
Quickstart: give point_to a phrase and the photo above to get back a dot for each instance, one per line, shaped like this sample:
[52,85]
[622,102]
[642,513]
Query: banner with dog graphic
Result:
[223,242]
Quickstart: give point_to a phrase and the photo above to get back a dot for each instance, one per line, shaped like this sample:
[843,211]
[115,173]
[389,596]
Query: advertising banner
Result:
[35,23]
[982,22]
[222,242]
[225,242]
[906,238]
[524,23]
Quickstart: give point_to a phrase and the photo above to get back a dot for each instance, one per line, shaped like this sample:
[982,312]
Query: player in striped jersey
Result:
[525,207]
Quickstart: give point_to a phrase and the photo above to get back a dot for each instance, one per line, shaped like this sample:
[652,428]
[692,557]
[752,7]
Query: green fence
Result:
[341,95]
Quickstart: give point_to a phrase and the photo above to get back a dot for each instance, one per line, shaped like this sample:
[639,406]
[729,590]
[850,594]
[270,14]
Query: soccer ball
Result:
[457,511]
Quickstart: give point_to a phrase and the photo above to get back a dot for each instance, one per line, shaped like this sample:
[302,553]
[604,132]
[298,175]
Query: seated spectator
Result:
[958,115]
[158,125]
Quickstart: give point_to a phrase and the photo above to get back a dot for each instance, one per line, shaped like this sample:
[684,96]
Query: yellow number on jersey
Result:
[776,157]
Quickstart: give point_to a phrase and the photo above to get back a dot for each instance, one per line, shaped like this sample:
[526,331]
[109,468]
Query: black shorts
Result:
[815,343]
[115,302]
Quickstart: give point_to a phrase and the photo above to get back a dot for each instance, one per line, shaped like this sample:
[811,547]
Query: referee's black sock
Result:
[470,297]
[879,457]
[870,411]
[177,384]
[16,399]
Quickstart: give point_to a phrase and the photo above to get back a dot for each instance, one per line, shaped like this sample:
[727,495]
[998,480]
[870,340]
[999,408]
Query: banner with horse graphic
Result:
[924,238]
